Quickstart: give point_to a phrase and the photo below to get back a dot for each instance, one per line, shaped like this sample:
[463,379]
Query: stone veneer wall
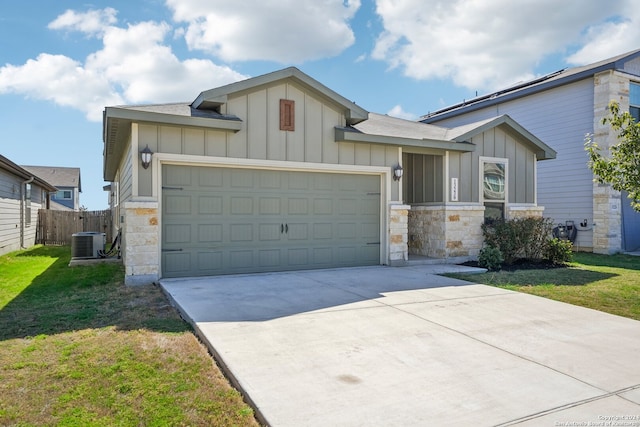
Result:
[446,231]
[398,234]
[607,213]
[514,212]
[140,238]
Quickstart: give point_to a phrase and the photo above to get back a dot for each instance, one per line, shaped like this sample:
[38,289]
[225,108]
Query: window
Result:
[64,195]
[27,205]
[634,100]
[493,189]
[287,115]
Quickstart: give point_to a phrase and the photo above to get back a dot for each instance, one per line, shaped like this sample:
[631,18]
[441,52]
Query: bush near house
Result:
[529,239]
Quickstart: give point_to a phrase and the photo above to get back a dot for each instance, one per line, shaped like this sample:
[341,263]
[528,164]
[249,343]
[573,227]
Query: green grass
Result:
[609,283]
[78,348]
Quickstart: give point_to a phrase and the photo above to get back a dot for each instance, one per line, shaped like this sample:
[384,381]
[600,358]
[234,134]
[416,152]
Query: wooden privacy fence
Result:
[56,227]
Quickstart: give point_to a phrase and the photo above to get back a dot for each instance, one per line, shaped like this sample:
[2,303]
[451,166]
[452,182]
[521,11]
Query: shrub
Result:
[490,258]
[558,251]
[519,238]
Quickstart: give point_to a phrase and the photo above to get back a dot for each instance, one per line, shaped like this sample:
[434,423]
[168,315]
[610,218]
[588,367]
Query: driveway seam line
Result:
[571,405]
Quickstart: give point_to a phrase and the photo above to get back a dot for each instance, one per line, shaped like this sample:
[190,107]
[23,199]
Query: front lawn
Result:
[77,347]
[609,283]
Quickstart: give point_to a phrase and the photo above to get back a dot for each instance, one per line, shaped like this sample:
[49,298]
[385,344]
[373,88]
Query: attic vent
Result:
[287,115]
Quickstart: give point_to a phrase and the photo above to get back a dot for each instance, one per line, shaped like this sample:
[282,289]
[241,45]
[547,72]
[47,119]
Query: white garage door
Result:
[227,221]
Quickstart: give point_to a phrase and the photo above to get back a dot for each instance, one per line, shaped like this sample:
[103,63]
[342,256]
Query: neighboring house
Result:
[21,195]
[279,172]
[67,180]
[561,108]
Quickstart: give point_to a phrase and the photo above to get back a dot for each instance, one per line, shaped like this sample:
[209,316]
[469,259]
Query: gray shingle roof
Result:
[20,171]
[58,176]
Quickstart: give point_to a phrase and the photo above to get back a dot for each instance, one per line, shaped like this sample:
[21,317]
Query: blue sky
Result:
[62,62]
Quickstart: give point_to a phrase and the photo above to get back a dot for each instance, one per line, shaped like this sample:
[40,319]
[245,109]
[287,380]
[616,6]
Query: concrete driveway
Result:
[382,346]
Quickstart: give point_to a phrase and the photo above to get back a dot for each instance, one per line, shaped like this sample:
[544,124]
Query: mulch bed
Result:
[523,264]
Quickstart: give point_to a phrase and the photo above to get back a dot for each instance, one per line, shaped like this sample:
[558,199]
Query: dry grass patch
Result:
[77,347]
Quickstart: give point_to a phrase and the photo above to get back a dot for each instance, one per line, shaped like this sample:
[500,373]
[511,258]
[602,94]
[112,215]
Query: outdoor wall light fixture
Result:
[397,173]
[145,157]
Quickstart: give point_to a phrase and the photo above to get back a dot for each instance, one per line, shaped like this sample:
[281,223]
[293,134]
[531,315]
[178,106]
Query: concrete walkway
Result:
[382,346]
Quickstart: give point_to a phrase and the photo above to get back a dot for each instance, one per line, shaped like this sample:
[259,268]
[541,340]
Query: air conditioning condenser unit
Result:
[87,244]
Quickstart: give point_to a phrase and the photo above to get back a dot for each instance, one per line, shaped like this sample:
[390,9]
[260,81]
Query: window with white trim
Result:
[493,187]
[64,195]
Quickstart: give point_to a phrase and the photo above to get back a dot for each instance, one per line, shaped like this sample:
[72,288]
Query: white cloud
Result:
[286,31]
[398,112]
[134,66]
[62,80]
[91,22]
[485,45]
[610,38]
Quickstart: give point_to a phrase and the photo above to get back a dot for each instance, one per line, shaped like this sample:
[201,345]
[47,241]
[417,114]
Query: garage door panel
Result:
[208,233]
[301,182]
[241,233]
[347,254]
[348,207]
[242,206]
[269,232]
[370,252]
[323,182]
[178,204]
[347,183]
[298,206]
[241,259]
[298,256]
[270,180]
[270,206]
[177,233]
[269,258]
[210,262]
[347,230]
[176,263]
[209,205]
[369,231]
[226,221]
[177,176]
[242,178]
[322,206]
[297,231]
[322,256]
[210,178]
[322,231]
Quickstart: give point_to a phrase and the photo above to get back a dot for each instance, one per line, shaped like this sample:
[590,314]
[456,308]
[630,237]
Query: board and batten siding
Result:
[561,118]
[126,176]
[312,141]
[10,213]
[500,143]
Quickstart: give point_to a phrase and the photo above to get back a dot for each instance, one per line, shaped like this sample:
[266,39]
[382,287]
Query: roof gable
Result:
[213,98]
[466,132]
[384,129]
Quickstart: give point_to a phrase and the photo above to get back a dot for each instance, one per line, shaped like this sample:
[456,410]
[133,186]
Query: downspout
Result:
[22,201]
